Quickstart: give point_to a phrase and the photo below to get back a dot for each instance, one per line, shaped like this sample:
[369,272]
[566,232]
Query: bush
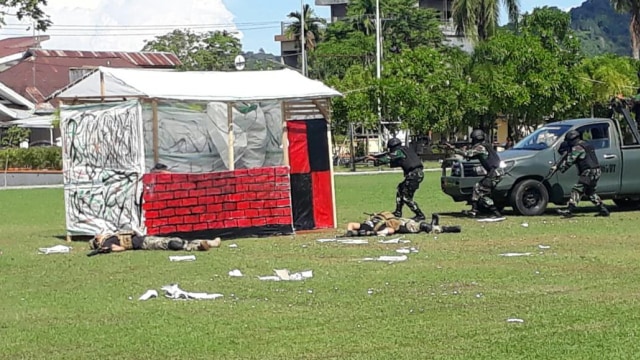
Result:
[36,158]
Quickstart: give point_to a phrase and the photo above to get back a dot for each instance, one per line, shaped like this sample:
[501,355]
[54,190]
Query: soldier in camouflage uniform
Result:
[401,156]
[583,155]
[490,161]
[127,240]
[386,223]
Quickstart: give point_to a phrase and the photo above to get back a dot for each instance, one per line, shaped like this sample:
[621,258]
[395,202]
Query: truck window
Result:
[596,134]
[627,135]
[542,138]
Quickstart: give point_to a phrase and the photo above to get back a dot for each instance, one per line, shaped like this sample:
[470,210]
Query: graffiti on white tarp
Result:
[193,137]
[103,164]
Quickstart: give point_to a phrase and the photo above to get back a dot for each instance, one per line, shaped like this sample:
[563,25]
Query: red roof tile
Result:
[18,45]
[139,59]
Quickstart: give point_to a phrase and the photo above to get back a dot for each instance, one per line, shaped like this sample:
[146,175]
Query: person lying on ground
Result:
[385,223]
[129,240]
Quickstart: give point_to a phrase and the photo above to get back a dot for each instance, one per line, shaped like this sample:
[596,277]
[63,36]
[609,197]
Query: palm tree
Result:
[478,19]
[631,7]
[362,14]
[313,27]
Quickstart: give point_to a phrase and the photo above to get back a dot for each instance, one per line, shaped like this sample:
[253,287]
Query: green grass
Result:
[579,299]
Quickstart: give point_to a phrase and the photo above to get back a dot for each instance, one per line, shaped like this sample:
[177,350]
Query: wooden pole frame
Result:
[232,165]
[326,112]
[285,134]
[155,123]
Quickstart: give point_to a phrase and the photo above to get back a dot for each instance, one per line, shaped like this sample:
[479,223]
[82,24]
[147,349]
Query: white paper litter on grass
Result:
[174,292]
[148,295]
[394,241]
[492,219]
[516,254]
[285,275]
[345,241]
[182,258]
[514,320]
[407,250]
[58,249]
[233,246]
[387,258]
[235,273]
[544,246]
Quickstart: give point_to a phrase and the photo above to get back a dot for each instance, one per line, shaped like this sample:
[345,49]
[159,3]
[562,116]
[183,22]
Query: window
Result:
[596,134]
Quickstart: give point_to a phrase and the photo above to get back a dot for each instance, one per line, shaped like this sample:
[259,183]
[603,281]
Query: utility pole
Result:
[378,70]
[303,39]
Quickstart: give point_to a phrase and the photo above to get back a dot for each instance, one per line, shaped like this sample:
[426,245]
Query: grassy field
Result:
[451,300]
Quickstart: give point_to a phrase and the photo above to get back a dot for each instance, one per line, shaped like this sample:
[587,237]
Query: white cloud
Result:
[80,24]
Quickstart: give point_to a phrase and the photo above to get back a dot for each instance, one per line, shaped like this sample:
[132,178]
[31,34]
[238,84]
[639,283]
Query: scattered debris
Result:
[524,224]
[233,246]
[174,292]
[58,249]
[387,258]
[345,241]
[516,254]
[544,246]
[394,241]
[284,275]
[182,258]
[235,273]
[492,219]
[148,295]
[514,320]
[407,250]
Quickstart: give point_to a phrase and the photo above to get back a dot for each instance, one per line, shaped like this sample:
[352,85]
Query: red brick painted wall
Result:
[246,198]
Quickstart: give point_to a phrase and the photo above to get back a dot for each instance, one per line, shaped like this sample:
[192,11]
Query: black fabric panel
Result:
[318,145]
[302,202]
[234,233]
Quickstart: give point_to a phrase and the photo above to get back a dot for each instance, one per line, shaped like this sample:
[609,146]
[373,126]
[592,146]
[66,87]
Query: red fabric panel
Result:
[298,148]
[322,199]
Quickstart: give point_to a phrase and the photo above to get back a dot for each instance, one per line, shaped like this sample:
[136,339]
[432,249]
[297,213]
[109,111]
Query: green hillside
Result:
[601,29]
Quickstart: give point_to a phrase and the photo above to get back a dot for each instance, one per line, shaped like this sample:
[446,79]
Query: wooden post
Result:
[232,164]
[327,115]
[154,108]
[285,135]
[102,86]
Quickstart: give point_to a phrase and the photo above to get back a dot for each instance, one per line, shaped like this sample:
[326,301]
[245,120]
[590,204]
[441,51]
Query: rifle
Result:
[553,170]
[100,250]
[376,156]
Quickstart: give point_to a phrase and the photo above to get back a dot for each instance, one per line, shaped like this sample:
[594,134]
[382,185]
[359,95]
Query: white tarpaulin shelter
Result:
[118,123]
[198,85]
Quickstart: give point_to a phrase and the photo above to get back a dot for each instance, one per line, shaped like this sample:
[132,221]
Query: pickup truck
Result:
[525,186]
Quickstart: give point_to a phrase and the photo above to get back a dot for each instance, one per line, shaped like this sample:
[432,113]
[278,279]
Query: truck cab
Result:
[525,186]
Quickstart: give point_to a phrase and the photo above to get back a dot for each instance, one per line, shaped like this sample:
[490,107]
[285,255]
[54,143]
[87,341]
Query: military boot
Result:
[425,227]
[451,229]
[603,211]
[568,212]
[419,215]
[435,219]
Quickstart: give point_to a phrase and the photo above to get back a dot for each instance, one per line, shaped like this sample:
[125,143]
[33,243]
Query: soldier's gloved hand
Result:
[553,168]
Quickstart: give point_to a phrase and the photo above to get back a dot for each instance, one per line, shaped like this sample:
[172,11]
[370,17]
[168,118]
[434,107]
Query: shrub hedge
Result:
[35,158]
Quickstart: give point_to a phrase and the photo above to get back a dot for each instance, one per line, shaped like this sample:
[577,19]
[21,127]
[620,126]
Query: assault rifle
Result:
[554,168]
[376,156]
[100,250]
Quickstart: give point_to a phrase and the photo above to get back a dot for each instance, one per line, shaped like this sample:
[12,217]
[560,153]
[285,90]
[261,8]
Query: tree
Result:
[13,136]
[213,50]
[632,7]
[361,14]
[28,9]
[313,27]
[478,19]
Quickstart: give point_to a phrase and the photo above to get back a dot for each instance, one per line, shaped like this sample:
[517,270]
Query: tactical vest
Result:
[385,218]
[590,160]
[492,160]
[126,239]
[410,162]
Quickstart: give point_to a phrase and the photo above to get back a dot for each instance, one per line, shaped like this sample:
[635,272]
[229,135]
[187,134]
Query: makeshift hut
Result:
[247,153]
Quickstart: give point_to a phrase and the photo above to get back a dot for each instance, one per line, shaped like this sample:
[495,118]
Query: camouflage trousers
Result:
[483,188]
[162,243]
[407,189]
[586,186]
[409,226]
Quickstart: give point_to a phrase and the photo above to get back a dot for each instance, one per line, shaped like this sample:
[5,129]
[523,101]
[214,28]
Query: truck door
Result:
[600,136]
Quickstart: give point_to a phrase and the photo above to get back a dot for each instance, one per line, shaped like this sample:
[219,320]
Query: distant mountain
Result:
[601,29]
[261,61]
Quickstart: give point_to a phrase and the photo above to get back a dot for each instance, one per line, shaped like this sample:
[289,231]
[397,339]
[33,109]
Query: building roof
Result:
[223,86]
[42,72]
[17,45]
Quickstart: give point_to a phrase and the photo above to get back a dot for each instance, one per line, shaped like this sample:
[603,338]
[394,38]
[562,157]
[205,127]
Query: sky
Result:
[124,25]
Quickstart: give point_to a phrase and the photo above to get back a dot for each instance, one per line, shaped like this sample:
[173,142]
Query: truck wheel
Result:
[529,197]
